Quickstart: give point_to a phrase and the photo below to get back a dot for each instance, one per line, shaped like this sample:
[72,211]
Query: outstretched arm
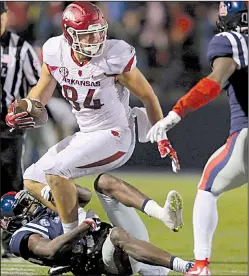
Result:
[139,86]
[135,81]
[201,94]
[206,89]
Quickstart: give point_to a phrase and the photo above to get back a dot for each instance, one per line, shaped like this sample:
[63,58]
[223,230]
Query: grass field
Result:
[230,250]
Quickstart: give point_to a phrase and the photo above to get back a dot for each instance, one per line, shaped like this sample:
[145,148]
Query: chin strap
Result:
[241,29]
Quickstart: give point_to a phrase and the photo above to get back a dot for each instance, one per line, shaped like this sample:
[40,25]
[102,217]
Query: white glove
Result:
[157,132]
[47,194]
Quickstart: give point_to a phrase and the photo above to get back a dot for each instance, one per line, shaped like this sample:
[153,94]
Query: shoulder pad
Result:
[51,50]
[229,44]
[120,56]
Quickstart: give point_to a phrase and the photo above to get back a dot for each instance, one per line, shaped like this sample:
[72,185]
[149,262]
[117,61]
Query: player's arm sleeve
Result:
[201,94]
[19,244]
[227,44]
[121,58]
[31,66]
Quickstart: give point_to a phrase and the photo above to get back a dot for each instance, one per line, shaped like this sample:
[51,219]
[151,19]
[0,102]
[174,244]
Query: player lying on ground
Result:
[92,248]
[227,168]
[97,75]
[127,196]
[111,192]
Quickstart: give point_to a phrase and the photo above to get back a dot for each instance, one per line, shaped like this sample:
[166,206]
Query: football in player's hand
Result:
[35,109]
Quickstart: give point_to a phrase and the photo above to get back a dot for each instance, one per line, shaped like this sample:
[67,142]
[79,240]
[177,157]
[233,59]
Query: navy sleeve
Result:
[229,44]
[19,244]
[219,46]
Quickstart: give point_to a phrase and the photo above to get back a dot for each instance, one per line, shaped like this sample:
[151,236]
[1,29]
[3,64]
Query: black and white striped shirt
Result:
[20,69]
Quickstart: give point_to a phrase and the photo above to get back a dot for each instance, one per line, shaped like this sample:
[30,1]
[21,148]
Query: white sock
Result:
[67,227]
[179,265]
[81,215]
[205,220]
[152,209]
[151,270]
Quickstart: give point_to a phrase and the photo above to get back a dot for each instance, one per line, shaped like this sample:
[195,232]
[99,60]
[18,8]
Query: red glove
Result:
[165,148]
[93,221]
[17,120]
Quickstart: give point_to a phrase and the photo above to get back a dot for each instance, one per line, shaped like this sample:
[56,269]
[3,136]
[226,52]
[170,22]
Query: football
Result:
[35,109]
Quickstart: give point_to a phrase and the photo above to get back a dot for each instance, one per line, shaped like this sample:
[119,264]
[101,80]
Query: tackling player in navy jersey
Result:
[227,168]
[92,248]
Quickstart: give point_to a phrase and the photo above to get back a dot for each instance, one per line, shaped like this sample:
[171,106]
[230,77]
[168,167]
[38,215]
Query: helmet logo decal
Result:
[68,15]
[223,9]
[44,222]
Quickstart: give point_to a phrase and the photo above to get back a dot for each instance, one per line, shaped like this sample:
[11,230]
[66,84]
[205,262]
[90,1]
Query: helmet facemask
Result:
[232,21]
[244,22]
[25,204]
[89,49]
[24,209]
[238,24]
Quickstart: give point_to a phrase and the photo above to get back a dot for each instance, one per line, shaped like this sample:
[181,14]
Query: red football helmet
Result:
[84,18]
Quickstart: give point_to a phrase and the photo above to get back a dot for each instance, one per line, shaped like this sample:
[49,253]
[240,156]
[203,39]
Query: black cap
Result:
[3,7]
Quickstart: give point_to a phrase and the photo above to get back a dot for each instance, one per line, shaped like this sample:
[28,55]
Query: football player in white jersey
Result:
[96,76]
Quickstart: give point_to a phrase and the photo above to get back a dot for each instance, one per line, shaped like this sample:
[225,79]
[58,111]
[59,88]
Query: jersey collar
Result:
[76,61]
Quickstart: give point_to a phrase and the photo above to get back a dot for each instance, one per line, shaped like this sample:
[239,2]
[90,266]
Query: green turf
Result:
[230,256]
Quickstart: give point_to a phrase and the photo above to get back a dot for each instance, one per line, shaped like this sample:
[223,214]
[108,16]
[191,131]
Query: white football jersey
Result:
[98,101]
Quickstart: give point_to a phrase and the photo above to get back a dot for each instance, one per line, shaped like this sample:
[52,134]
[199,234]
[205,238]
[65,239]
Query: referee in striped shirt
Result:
[20,70]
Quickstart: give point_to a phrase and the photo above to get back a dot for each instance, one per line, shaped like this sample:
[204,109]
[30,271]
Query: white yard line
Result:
[18,274]
[18,269]
[13,260]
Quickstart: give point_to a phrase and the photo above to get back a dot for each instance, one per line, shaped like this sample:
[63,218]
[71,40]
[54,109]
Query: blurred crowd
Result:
[170,38]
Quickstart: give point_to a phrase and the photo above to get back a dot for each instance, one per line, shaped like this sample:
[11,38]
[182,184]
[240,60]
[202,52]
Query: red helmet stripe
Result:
[10,193]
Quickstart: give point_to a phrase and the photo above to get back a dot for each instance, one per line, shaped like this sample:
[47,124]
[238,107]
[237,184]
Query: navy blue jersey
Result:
[85,256]
[47,224]
[234,45]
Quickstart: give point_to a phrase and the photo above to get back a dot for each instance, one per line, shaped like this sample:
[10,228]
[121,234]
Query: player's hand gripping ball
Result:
[26,113]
